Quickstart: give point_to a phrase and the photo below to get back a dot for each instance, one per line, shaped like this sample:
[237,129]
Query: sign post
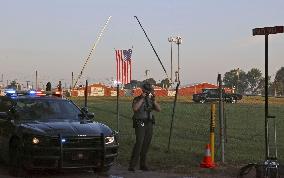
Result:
[271,164]
[266,31]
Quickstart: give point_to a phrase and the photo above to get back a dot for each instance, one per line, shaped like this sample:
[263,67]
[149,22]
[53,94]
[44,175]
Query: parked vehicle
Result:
[48,132]
[212,94]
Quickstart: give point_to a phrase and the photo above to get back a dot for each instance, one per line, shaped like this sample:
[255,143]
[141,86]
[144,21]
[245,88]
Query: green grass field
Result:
[244,121]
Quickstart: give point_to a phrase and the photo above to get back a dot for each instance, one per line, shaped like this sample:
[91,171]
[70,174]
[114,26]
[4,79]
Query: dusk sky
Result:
[54,37]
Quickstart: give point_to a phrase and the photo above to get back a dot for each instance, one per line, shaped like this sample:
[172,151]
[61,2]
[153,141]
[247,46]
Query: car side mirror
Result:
[3,115]
[90,115]
[84,110]
[87,113]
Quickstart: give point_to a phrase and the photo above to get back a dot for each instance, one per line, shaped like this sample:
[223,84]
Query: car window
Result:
[214,92]
[205,91]
[42,109]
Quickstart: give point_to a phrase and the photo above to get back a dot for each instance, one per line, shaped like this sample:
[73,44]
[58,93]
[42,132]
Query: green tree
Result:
[279,81]
[236,78]
[151,81]
[255,81]
[133,84]
[48,86]
[14,85]
[165,83]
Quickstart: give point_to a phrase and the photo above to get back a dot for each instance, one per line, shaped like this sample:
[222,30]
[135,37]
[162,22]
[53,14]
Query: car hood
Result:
[75,128]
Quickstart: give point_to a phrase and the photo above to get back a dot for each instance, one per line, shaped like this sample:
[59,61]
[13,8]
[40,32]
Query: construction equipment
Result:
[91,52]
[152,46]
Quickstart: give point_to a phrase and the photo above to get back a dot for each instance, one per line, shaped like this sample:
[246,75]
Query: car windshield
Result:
[45,109]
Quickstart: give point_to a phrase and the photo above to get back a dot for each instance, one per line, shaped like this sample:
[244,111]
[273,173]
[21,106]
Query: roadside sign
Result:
[268,30]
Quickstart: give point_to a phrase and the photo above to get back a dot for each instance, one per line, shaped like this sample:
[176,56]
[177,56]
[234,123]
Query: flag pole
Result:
[117,107]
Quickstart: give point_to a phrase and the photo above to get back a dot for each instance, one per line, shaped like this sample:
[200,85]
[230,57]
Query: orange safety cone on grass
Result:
[207,160]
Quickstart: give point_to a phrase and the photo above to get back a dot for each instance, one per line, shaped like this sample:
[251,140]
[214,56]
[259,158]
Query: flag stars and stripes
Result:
[123,66]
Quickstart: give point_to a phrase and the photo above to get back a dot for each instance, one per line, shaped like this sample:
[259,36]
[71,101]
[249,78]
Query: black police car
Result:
[48,132]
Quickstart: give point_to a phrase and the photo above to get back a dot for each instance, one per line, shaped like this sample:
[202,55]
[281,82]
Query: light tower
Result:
[178,41]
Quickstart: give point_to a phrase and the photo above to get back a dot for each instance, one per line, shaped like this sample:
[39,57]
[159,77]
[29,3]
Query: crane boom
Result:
[91,52]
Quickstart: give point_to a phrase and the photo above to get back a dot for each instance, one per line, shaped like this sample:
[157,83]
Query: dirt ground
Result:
[118,171]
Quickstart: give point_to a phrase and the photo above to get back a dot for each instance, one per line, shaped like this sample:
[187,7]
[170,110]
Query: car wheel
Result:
[202,101]
[16,158]
[233,100]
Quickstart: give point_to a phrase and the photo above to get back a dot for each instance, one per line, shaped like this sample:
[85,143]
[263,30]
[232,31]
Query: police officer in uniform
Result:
[143,121]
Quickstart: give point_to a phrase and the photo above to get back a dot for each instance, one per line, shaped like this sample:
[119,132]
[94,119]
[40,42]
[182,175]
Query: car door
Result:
[215,94]
[211,95]
[5,104]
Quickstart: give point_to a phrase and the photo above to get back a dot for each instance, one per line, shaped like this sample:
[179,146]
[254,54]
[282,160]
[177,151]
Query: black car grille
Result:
[79,158]
[82,151]
[83,142]
[73,152]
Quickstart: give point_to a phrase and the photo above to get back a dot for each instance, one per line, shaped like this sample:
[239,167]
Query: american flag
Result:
[123,66]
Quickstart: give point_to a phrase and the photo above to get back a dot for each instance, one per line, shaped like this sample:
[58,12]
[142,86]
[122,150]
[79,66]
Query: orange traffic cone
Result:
[207,160]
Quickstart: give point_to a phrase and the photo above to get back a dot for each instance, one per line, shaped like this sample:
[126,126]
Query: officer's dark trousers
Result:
[141,147]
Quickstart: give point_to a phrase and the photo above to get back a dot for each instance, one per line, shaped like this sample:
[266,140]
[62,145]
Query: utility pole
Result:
[27,84]
[146,73]
[2,85]
[176,76]
[171,40]
[72,80]
[221,118]
[36,86]
[238,80]
[178,42]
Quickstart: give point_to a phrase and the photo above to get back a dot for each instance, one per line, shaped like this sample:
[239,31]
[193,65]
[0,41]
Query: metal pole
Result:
[171,61]
[27,84]
[266,96]
[72,79]
[238,80]
[171,40]
[178,42]
[178,64]
[221,119]
[86,94]
[212,132]
[173,116]
[152,46]
[117,107]
[36,87]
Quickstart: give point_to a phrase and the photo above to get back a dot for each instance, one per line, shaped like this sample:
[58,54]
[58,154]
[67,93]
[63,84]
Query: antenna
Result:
[92,50]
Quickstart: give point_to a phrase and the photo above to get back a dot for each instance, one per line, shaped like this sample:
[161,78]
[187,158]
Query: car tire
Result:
[233,100]
[16,159]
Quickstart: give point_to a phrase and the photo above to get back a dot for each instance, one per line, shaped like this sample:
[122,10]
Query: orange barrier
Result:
[207,159]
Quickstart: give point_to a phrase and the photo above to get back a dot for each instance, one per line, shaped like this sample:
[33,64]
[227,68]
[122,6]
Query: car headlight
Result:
[109,140]
[35,140]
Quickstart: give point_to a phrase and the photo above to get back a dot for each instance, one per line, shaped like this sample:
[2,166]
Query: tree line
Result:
[249,83]
[253,82]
